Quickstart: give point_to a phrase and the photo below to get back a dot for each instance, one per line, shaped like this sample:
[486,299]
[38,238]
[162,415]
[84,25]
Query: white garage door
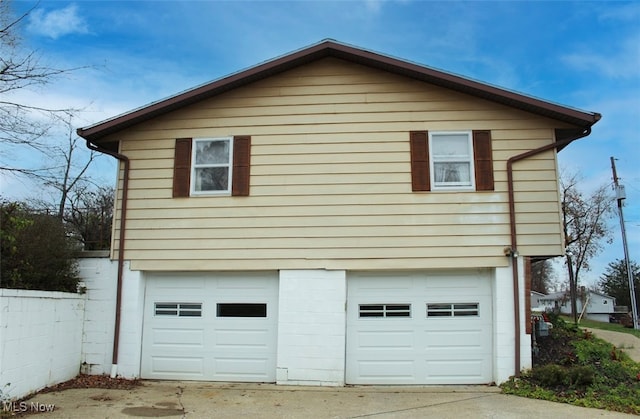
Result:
[218,327]
[419,329]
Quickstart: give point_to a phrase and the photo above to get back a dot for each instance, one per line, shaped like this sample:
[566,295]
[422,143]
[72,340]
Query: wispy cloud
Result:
[57,23]
[623,11]
[621,61]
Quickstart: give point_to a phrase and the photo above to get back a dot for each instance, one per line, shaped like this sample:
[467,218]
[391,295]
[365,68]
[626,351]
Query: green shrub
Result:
[581,376]
[550,375]
[575,367]
[35,251]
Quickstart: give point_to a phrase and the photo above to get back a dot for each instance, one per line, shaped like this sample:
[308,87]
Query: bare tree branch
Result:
[585,227]
[23,125]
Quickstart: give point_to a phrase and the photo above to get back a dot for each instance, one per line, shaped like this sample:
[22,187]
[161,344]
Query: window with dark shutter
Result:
[451,163]
[210,178]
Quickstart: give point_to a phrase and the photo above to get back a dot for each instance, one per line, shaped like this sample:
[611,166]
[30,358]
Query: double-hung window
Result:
[211,166]
[451,160]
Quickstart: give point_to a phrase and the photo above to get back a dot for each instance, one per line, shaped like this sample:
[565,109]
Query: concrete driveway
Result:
[226,400]
[624,341]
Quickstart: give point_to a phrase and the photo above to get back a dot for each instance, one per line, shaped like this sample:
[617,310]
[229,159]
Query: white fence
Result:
[40,339]
[49,337]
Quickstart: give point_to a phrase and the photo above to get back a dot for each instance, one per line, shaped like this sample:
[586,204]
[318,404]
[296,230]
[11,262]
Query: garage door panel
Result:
[178,366]
[241,368]
[392,339]
[445,337]
[172,282]
[386,371]
[210,326]
[465,371]
[179,338]
[454,339]
[242,339]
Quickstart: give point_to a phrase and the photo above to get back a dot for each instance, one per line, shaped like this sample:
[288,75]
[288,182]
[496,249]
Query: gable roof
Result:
[330,48]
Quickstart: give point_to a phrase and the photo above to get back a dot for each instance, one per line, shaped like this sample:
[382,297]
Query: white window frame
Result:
[177,310]
[386,310]
[452,310]
[433,159]
[194,166]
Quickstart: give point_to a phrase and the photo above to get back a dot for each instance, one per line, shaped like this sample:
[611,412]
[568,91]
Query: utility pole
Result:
[620,195]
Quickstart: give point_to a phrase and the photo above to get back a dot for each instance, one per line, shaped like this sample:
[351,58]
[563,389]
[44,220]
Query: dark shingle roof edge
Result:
[331,48]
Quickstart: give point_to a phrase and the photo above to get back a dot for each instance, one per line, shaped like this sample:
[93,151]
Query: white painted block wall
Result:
[131,315]
[40,339]
[504,327]
[311,327]
[99,277]
[311,323]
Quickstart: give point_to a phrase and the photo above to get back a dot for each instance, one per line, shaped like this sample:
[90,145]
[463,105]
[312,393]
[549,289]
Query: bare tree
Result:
[541,276]
[585,228]
[70,172]
[90,215]
[21,124]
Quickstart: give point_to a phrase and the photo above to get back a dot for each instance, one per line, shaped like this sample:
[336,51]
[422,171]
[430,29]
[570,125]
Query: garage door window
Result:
[242,310]
[385,310]
[178,309]
[452,309]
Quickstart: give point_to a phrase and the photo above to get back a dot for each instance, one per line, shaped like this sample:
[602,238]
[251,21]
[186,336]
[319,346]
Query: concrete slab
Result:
[229,400]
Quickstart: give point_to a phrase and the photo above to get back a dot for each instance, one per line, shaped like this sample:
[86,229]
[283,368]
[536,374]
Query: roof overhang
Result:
[330,48]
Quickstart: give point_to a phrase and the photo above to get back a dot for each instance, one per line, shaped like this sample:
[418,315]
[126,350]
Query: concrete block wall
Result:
[504,337]
[311,323]
[131,317]
[311,327]
[99,276]
[40,339]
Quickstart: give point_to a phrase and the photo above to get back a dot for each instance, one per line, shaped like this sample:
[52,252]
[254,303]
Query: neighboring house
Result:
[536,298]
[333,216]
[599,306]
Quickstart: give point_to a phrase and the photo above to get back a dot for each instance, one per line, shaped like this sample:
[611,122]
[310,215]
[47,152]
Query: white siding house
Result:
[590,304]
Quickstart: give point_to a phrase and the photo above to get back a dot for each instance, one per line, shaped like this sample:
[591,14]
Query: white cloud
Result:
[57,23]
[624,11]
[617,61]
[373,5]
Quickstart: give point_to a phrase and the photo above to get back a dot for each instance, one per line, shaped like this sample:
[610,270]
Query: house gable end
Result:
[330,48]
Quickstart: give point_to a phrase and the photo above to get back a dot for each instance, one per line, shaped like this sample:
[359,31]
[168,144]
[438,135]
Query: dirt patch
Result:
[101,398]
[94,381]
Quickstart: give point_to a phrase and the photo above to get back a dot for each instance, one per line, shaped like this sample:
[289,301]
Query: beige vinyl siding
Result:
[331,181]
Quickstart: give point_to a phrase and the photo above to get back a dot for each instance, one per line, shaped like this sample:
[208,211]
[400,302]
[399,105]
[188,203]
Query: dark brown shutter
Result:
[483,160]
[182,168]
[241,166]
[419,161]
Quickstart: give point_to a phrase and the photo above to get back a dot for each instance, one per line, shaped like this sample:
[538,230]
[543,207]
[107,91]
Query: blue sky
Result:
[582,54]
